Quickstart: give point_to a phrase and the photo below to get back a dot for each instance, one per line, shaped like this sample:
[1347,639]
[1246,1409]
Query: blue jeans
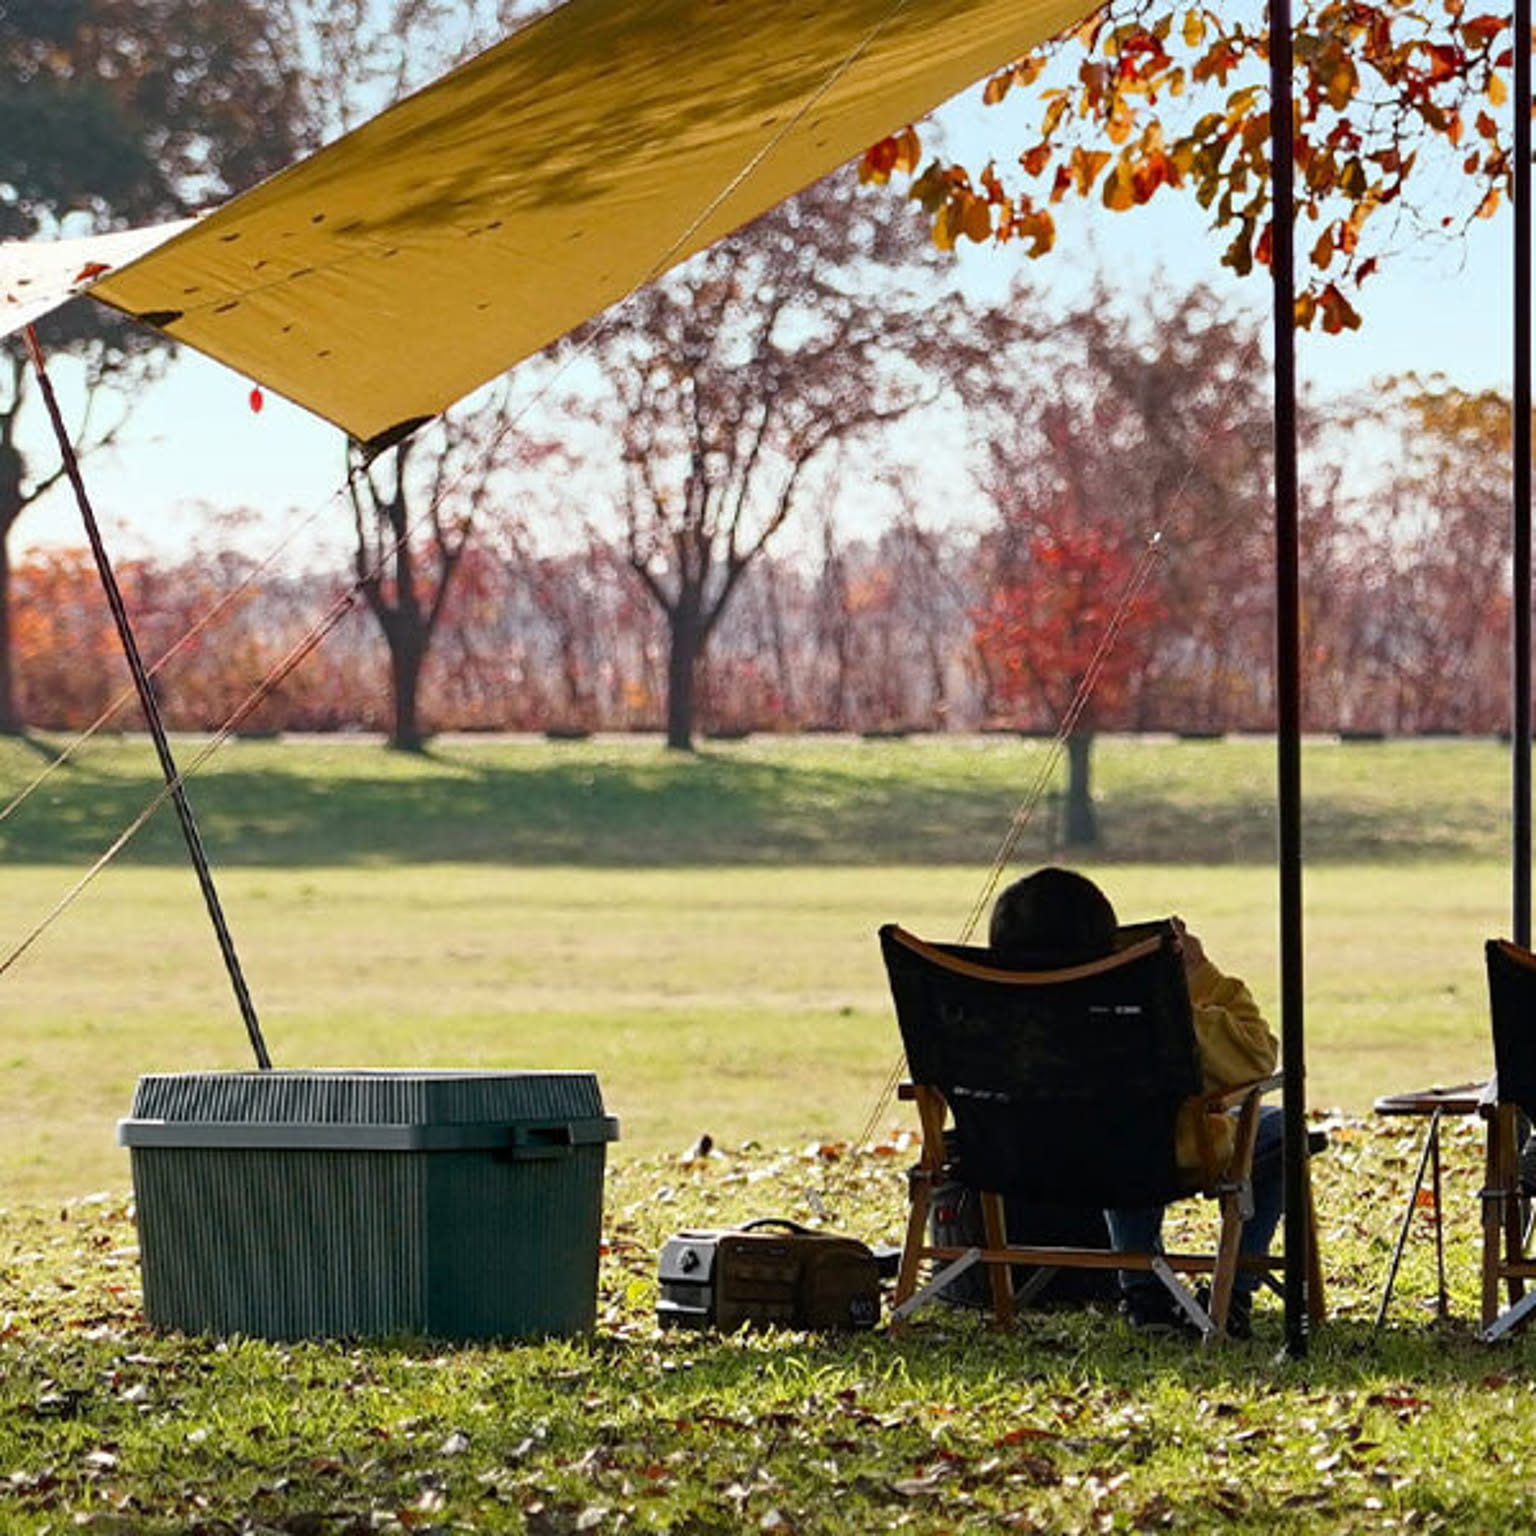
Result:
[1139,1228]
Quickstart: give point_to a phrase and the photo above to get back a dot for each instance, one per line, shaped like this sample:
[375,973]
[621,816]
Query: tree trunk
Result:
[10,509]
[687,644]
[407,652]
[1082,821]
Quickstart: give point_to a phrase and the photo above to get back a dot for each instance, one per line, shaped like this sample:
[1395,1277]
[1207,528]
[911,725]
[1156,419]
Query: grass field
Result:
[698,932]
[1070,1423]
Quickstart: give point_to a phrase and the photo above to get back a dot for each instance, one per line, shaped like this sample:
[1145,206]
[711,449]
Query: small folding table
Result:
[1435,1103]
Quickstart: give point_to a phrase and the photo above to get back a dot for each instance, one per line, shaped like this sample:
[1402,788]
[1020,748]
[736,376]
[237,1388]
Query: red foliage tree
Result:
[1067,636]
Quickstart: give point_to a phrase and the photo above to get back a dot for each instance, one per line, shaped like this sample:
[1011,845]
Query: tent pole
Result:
[1288,670]
[141,683]
[1520,672]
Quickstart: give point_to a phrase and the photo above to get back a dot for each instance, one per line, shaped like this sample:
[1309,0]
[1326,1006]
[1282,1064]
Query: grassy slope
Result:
[543,906]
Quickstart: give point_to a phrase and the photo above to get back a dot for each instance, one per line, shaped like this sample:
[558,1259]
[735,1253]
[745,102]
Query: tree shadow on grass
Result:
[653,810]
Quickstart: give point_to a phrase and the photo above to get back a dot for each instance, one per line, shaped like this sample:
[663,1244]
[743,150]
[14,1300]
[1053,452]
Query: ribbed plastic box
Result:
[288,1205]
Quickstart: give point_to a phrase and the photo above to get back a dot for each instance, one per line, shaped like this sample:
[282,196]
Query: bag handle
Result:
[778,1221]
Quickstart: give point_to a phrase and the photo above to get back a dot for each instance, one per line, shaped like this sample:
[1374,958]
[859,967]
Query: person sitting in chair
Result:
[1056,917]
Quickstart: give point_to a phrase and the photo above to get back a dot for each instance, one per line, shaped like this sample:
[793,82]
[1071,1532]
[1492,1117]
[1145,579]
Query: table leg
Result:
[1431,1143]
[1442,1296]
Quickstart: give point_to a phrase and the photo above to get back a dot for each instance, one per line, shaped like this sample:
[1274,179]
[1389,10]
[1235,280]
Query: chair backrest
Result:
[1512,1004]
[1064,1084]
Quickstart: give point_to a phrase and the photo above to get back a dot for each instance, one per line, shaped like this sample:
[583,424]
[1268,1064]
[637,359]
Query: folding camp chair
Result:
[1065,1086]
[1510,1093]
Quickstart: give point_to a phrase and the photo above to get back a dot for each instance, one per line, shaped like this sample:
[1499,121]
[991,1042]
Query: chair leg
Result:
[931,1112]
[1225,1272]
[1495,1196]
[918,1195]
[1514,1225]
[1236,1206]
[1000,1275]
[1317,1306]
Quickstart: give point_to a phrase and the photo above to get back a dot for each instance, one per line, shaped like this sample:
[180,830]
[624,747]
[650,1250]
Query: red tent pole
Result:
[1288,671]
[1520,671]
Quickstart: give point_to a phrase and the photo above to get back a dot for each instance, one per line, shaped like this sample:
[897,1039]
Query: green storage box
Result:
[287,1205]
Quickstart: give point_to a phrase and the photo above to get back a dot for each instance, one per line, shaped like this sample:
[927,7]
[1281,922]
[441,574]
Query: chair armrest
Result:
[1205,1105]
[1226,1098]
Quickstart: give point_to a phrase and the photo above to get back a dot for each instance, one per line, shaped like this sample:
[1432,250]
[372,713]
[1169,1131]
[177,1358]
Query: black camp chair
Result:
[1511,1092]
[1065,1086]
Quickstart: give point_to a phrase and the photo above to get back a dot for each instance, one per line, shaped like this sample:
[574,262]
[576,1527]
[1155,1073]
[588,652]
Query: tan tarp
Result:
[386,276]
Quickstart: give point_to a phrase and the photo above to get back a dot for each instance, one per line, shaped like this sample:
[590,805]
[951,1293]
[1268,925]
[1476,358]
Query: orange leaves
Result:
[1035,225]
[1239,254]
[1216,63]
[1444,61]
[1120,186]
[1153,171]
[1378,81]
[1343,82]
[1023,73]
[92,269]
[1035,160]
[1480,31]
[975,219]
[1085,167]
[1338,314]
[899,152]
[959,212]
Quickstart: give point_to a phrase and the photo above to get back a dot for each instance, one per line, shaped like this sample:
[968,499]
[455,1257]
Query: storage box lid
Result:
[368,1110]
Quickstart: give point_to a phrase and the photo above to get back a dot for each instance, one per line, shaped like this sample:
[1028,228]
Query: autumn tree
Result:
[1396,133]
[727,384]
[1408,609]
[413,510]
[1114,436]
[1070,630]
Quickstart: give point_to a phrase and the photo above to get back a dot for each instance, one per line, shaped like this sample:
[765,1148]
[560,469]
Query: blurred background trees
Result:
[125,112]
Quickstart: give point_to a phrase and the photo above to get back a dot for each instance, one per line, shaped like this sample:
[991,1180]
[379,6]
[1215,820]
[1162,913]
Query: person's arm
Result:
[1235,1042]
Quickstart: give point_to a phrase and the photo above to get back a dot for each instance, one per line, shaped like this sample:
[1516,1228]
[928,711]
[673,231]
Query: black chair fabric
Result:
[1512,1003]
[1064,1086]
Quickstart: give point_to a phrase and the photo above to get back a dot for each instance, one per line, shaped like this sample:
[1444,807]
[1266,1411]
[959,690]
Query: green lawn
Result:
[541,906]
[772,801]
[700,932]
[1068,1424]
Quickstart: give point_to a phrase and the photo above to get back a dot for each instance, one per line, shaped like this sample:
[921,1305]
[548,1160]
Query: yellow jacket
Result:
[1235,1047]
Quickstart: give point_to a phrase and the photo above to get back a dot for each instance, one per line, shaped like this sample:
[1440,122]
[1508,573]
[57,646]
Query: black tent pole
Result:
[1288,671]
[151,709]
[1520,672]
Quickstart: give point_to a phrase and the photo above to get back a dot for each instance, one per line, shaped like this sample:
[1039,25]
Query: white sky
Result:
[193,446]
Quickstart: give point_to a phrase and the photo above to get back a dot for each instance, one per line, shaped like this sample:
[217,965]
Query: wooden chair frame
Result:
[1506,1207]
[1231,1186]
[1505,1226]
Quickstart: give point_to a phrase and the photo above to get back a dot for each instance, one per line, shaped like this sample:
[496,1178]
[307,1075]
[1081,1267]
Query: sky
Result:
[193,448]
